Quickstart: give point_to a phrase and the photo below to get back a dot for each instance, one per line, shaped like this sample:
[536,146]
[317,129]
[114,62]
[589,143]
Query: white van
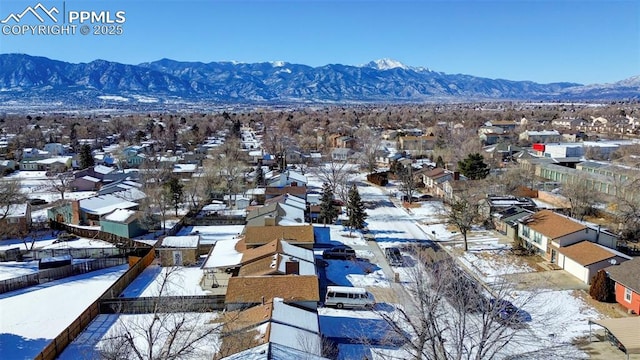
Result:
[348,297]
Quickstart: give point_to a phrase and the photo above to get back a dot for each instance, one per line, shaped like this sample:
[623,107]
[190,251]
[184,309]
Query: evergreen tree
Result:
[86,158]
[259,175]
[175,191]
[328,211]
[355,209]
[440,162]
[602,288]
[473,167]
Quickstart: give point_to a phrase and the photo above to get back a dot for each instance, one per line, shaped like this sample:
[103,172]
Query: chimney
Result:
[269,221]
[292,268]
[456,175]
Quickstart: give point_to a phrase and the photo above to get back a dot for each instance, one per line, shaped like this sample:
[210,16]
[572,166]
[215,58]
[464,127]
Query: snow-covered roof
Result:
[190,241]
[104,204]
[272,351]
[297,317]
[91,178]
[214,207]
[256,191]
[101,169]
[119,215]
[54,160]
[543,133]
[185,168]
[223,254]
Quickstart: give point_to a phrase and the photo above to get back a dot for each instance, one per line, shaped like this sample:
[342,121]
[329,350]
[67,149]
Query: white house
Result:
[584,259]
[547,232]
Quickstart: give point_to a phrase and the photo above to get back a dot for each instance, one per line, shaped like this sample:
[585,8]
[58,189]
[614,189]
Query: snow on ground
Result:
[212,234]
[180,281]
[88,344]
[33,316]
[357,273]
[558,317]
[343,235]
[13,269]
[46,239]
[79,243]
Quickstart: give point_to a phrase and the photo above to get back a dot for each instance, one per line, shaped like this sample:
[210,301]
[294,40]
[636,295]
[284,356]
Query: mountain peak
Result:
[386,64]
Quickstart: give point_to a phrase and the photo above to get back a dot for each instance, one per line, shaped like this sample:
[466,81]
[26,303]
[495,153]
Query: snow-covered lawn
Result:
[104,327]
[355,273]
[13,269]
[558,316]
[490,260]
[46,239]
[179,281]
[343,235]
[32,317]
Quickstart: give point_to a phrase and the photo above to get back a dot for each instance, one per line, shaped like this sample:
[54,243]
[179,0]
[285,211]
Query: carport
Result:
[623,333]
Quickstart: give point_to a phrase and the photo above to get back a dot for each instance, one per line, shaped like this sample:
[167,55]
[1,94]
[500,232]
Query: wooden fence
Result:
[80,253]
[48,275]
[118,241]
[166,304]
[57,345]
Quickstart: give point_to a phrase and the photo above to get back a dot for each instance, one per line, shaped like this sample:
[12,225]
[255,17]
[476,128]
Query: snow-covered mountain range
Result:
[382,80]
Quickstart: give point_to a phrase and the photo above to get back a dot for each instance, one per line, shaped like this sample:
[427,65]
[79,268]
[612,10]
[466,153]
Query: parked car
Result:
[339,252]
[64,237]
[348,297]
[394,257]
[507,313]
[37,201]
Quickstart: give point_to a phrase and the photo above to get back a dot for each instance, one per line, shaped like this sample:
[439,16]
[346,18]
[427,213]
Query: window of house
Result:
[627,295]
[525,231]
[537,238]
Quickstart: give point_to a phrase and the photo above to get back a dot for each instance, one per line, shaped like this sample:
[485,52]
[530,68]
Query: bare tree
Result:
[447,314]
[515,178]
[10,195]
[462,211]
[166,332]
[407,181]
[156,203]
[581,197]
[60,183]
[369,143]
[337,175]
[627,206]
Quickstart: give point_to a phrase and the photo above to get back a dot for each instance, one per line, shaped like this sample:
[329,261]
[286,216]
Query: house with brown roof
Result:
[434,178]
[277,258]
[547,231]
[273,191]
[416,145]
[295,235]
[299,290]
[272,322]
[627,288]
[584,259]
[276,213]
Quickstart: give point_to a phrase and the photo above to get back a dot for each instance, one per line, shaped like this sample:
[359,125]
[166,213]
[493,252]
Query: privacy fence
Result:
[57,345]
[47,275]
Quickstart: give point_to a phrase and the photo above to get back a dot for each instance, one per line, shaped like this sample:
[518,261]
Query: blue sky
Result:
[543,40]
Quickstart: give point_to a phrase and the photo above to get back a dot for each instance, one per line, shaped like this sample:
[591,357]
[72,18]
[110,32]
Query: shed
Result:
[179,250]
[122,222]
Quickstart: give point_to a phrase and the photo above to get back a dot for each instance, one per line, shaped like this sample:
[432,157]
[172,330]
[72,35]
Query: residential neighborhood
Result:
[232,237]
